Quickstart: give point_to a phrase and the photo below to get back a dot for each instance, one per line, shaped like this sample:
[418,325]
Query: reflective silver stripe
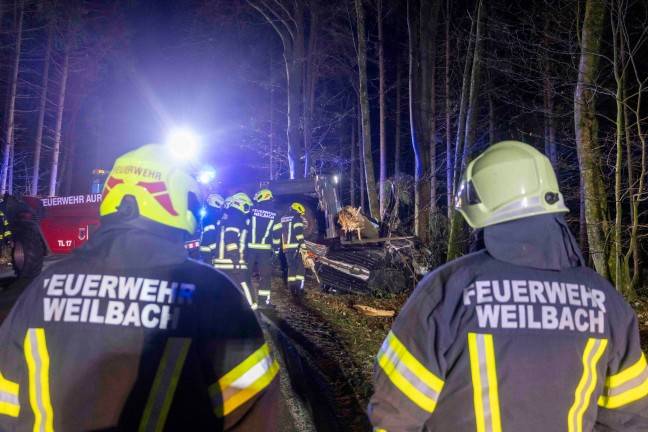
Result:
[593,351]
[37,358]
[9,402]
[388,352]
[246,291]
[210,227]
[259,246]
[484,380]
[628,385]
[164,385]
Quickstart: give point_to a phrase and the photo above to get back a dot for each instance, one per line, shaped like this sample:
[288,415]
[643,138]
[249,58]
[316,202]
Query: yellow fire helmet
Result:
[263,195]
[215,200]
[164,192]
[509,181]
[298,208]
[241,202]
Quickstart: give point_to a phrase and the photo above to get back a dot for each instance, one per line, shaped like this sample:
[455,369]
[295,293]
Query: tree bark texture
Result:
[11,108]
[586,127]
[383,112]
[60,108]
[370,178]
[42,105]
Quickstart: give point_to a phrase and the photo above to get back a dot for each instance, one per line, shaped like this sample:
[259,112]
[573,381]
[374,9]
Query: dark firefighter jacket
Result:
[129,334]
[225,243]
[293,231]
[519,336]
[209,233]
[265,227]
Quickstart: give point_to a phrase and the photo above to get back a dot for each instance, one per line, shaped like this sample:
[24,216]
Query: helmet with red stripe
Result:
[164,192]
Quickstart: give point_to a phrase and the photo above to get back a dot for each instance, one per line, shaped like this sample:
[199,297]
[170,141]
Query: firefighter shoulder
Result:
[130,334]
[519,335]
[209,234]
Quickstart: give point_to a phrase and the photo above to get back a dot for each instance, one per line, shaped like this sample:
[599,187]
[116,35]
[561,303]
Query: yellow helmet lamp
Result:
[164,192]
[509,181]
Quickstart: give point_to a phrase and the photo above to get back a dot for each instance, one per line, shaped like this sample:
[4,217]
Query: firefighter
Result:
[517,336]
[233,230]
[6,239]
[293,242]
[130,334]
[209,235]
[264,239]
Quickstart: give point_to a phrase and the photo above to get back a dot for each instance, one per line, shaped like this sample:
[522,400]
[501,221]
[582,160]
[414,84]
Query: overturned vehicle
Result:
[346,251]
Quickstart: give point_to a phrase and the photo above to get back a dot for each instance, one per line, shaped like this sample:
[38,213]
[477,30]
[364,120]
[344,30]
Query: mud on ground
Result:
[340,341]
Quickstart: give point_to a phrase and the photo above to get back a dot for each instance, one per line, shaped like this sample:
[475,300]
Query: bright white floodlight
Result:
[183,143]
[206,176]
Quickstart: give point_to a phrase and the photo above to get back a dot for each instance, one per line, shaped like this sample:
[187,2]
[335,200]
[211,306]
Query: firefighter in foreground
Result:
[293,242]
[520,335]
[264,238]
[128,333]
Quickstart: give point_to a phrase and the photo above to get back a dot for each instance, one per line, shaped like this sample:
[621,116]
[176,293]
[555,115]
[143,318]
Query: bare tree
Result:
[372,193]
[586,128]
[11,108]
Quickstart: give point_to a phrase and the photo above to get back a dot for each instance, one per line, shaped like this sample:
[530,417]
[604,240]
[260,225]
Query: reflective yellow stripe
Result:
[484,379]
[9,402]
[409,376]
[38,363]
[593,352]
[627,386]
[164,385]
[244,381]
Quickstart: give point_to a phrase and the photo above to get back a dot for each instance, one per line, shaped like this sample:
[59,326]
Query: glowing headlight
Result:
[206,176]
[183,144]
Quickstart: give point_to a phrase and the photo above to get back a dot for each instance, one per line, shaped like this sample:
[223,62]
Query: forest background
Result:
[390,94]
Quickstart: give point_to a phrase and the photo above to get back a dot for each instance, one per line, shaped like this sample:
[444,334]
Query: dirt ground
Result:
[347,340]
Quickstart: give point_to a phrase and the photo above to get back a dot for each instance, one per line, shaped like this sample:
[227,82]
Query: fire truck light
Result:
[183,144]
[206,176]
[203,212]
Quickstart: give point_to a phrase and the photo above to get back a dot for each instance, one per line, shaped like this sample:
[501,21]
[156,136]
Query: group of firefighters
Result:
[239,235]
[130,334]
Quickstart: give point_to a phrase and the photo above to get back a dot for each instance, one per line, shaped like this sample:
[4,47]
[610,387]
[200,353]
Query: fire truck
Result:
[50,226]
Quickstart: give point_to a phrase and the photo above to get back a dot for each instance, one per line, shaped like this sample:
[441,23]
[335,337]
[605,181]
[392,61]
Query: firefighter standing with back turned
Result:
[293,242]
[264,238]
[128,333]
[227,249]
[517,336]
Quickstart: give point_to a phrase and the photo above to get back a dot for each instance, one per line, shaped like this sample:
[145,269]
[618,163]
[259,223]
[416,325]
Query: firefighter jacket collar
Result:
[120,245]
[542,242]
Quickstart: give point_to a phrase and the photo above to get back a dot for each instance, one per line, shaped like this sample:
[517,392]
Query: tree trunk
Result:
[548,100]
[59,116]
[586,126]
[310,83]
[372,193]
[399,115]
[465,133]
[42,104]
[11,109]
[352,174]
[448,114]
[290,28]
[383,111]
